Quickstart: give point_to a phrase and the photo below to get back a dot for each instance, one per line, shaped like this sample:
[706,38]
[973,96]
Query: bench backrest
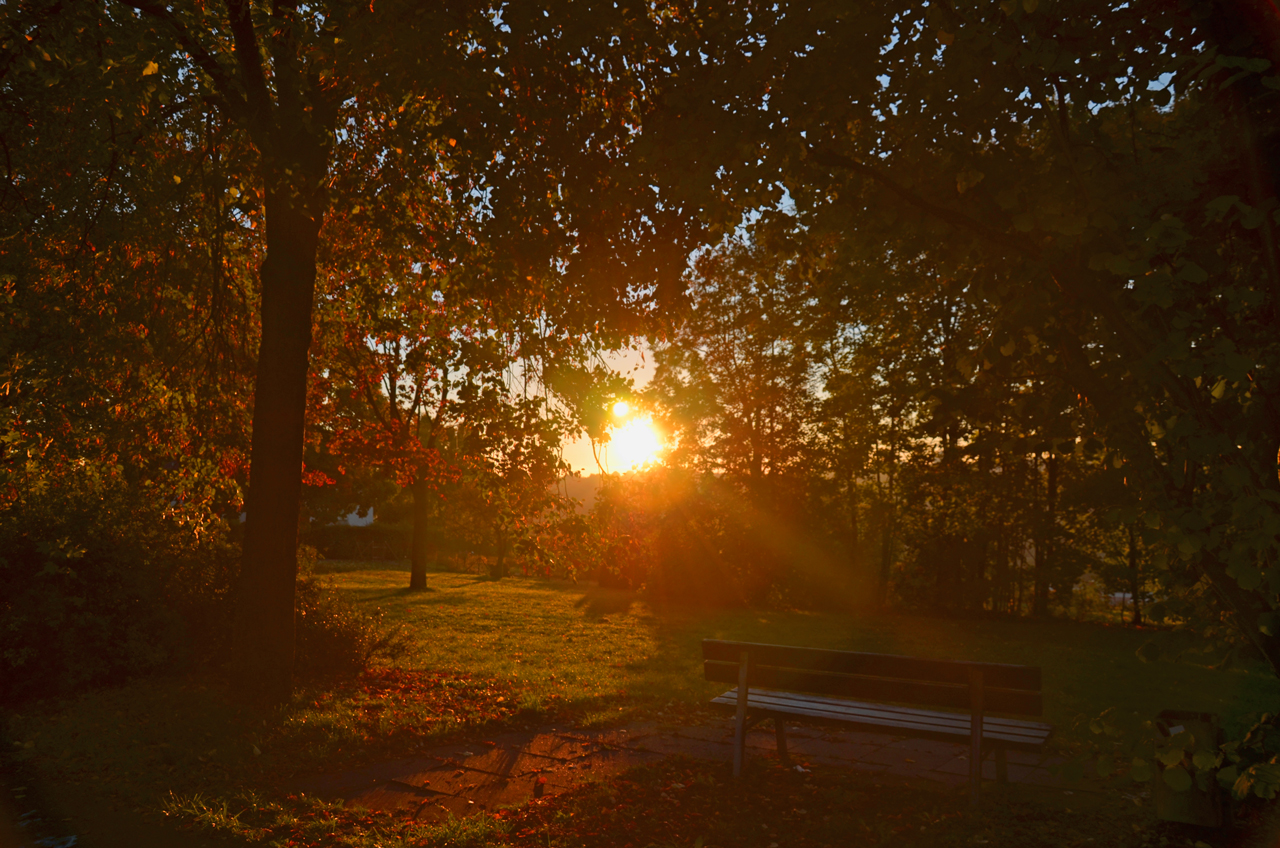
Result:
[1013,689]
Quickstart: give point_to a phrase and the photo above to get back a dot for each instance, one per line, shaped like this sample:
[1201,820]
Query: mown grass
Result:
[483,655]
[600,652]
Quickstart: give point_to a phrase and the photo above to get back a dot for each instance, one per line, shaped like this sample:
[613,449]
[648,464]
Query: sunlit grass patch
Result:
[607,655]
[570,647]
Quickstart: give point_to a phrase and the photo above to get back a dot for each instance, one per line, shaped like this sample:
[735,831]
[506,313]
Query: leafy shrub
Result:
[334,638]
[99,582]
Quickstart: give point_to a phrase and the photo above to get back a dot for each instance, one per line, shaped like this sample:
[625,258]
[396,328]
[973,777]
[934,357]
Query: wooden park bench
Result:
[812,685]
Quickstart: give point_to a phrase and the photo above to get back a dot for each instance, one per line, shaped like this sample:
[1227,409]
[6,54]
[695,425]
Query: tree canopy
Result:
[892,255]
[1093,185]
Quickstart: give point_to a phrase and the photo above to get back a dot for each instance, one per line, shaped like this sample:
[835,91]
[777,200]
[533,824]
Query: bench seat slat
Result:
[923,692]
[764,700]
[859,714]
[1011,725]
[997,675]
[901,725]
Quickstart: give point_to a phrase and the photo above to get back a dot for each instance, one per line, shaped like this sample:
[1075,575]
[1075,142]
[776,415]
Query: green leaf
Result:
[1177,779]
[1218,207]
[1169,756]
[1149,652]
[1263,779]
[1205,760]
[1105,765]
[1140,770]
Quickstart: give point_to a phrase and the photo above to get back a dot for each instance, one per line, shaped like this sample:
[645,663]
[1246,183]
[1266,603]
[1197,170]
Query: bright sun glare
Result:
[632,444]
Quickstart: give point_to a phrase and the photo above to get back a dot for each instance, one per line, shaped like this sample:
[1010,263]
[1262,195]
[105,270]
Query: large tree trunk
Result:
[264,625]
[422,548]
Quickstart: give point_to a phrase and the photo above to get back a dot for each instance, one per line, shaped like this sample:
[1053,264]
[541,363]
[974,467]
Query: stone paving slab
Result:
[825,751]
[696,748]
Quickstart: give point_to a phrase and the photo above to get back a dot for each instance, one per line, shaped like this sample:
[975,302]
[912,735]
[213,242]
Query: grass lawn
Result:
[599,651]
[485,655]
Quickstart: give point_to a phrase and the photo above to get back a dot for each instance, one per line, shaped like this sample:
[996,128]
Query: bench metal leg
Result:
[1002,765]
[975,734]
[740,725]
[780,734]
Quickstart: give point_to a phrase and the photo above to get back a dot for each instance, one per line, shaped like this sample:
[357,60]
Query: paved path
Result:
[511,768]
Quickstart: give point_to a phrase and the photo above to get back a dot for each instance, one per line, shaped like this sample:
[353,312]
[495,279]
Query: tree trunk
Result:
[1044,541]
[499,568]
[263,635]
[855,530]
[1135,584]
[422,548]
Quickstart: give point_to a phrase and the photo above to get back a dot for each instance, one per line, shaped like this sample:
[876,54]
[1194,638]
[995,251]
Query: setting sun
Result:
[632,445]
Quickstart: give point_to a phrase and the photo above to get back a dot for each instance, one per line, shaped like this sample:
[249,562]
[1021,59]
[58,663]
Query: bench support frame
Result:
[747,717]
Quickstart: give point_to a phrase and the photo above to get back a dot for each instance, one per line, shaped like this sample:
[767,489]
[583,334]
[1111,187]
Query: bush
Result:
[99,583]
[334,638]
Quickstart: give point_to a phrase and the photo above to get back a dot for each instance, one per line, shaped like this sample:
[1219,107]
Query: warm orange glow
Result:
[632,445]
[620,409]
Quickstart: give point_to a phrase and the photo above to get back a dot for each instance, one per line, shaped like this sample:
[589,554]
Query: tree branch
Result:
[259,110]
[222,80]
[957,219]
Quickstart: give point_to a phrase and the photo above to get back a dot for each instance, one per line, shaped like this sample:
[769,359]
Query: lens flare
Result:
[633,445]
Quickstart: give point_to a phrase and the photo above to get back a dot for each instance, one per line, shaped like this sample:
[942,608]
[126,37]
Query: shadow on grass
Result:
[597,602]
[405,592]
[345,566]
[441,600]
